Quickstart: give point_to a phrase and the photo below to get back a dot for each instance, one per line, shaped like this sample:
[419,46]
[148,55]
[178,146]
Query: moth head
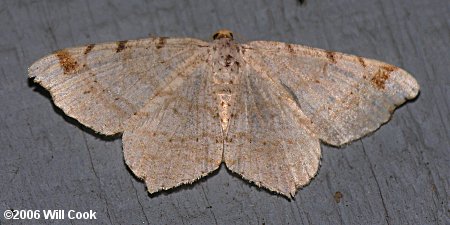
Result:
[223,33]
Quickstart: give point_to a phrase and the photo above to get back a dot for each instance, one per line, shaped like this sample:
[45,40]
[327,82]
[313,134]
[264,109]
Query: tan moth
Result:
[184,106]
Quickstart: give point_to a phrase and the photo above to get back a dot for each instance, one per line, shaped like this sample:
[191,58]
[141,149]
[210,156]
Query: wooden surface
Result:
[398,175]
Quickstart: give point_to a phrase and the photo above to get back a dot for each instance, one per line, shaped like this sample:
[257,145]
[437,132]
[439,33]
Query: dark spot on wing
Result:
[88,49]
[161,42]
[120,46]
[383,73]
[379,79]
[290,48]
[362,62]
[389,68]
[331,56]
[69,64]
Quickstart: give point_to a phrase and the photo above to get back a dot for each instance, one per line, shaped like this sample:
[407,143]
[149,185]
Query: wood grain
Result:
[398,175]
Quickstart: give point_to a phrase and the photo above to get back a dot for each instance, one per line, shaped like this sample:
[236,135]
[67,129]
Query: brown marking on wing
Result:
[383,73]
[389,68]
[88,49]
[161,42]
[69,64]
[290,48]
[362,62]
[379,80]
[331,56]
[120,46]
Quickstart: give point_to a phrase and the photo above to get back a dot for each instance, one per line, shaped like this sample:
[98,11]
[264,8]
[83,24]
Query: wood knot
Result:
[338,196]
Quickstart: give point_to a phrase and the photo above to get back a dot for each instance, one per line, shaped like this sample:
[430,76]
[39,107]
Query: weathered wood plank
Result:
[398,175]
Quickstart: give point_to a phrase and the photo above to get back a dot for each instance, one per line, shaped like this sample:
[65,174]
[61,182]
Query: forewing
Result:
[344,97]
[179,137]
[102,85]
[267,142]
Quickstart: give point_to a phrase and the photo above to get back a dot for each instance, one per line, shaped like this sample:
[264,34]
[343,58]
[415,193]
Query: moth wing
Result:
[267,142]
[344,97]
[103,85]
[178,137]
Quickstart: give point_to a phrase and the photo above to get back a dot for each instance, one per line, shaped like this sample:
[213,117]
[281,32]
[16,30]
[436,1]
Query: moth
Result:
[184,106]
